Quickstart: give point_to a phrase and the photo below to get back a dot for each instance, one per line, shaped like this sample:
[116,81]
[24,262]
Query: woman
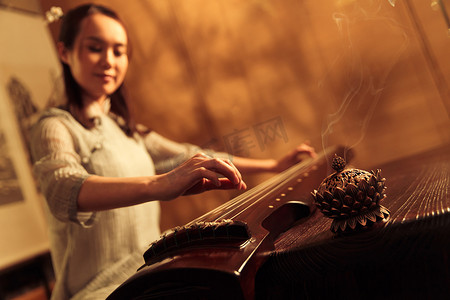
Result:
[101,175]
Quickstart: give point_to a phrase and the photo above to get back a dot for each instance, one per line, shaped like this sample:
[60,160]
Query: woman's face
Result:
[98,60]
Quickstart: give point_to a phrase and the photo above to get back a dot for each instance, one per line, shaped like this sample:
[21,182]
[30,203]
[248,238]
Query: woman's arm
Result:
[69,188]
[196,175]
[167,154]
[250,166]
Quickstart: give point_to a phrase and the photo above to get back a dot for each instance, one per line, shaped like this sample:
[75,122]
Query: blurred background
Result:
[256,78]
[355,72]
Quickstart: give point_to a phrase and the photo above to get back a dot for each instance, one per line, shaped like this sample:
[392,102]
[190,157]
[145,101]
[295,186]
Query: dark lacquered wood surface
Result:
[407,256]
[292,254]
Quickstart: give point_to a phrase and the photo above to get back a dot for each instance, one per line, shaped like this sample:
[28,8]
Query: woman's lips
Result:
[105,77]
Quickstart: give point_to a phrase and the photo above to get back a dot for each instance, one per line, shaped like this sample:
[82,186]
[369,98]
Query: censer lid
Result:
[343,177]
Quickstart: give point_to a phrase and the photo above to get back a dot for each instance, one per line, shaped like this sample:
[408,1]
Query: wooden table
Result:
[407,257]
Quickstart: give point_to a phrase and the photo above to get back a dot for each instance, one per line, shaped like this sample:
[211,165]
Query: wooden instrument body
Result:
[290,256]
[406,257]
[182,265]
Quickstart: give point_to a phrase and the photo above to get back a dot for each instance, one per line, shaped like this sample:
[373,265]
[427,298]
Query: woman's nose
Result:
[107,58]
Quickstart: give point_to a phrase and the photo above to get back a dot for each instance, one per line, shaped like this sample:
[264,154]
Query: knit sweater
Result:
[94,252]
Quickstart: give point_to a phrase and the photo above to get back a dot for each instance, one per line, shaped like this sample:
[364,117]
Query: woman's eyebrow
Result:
[95,39]
[99,40]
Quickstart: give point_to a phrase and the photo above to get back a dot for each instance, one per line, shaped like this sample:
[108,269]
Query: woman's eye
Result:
[119,52]
[94,49]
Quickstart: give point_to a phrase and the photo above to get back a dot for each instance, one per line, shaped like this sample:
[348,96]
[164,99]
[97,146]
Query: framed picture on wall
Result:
[29,72]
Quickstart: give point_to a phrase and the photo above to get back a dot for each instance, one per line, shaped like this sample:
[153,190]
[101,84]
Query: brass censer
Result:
[351,197]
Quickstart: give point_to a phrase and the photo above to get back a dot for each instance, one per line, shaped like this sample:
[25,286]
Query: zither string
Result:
[252,197]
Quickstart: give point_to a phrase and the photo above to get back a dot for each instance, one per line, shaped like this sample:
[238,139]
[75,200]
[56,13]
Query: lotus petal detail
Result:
[351,197]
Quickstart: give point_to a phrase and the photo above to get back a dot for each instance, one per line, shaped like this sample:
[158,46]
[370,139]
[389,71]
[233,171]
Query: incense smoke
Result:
[364,87]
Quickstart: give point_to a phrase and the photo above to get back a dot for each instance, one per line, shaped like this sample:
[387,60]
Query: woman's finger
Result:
[206,185]
[229,162]
[204,173]
[305,148]
[227,170]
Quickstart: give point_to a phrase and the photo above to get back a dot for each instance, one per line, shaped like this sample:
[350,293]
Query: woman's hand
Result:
[252,166]
[294,157]
[199,174]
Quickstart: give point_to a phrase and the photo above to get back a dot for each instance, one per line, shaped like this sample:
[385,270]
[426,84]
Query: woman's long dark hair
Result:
[70,28]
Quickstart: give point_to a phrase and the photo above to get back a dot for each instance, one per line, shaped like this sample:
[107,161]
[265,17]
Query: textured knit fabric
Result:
[95,252]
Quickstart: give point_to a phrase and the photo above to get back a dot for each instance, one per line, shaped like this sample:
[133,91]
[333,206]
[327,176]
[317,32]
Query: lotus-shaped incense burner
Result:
[351,197]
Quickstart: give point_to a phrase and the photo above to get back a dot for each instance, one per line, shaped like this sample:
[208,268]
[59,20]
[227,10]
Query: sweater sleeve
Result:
[58,170]
[167,154]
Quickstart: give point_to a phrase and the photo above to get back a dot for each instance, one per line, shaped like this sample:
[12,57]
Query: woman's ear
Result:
[63,52]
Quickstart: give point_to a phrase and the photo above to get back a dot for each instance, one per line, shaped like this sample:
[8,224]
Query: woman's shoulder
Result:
[52,118]
[55,113]
[52,124]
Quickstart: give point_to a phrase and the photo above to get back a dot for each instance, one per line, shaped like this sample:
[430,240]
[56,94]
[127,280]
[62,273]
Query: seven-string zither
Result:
[227,224]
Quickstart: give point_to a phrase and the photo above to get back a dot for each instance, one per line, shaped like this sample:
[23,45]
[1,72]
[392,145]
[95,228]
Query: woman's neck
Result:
[90,100]
[90,112]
